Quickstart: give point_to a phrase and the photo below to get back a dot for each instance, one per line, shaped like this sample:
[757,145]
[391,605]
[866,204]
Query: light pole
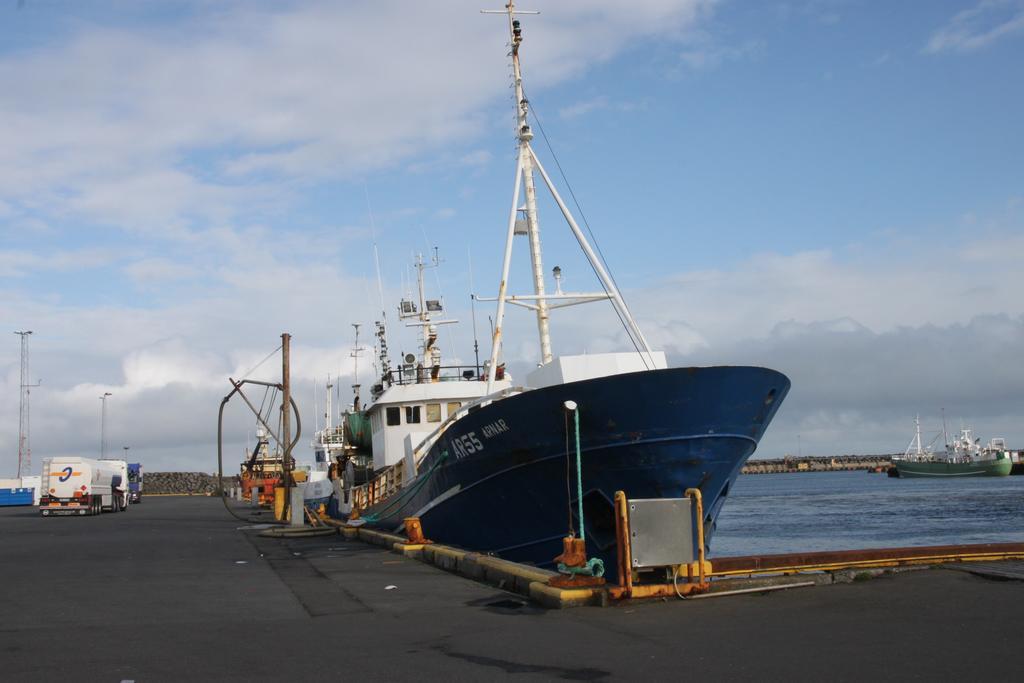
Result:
[103,425]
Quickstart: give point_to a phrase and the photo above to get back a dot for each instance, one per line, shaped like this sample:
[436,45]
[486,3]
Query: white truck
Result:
[80,486]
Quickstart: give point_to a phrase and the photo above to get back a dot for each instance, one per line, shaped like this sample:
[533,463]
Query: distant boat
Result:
[963,457]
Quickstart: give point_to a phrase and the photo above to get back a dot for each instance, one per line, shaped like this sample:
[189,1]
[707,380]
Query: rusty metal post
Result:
[286,421]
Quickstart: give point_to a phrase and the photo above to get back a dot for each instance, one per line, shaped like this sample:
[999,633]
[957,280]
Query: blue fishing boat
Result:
[486,463]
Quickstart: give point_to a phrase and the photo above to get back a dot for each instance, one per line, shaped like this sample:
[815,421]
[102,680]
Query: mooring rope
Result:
[374,517]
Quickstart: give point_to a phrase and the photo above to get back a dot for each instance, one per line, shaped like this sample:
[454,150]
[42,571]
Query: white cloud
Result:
[599,103]
[19,263]
[156,270]
[166,128]
[478,157]
[704,51]
[584,107]
[978,27]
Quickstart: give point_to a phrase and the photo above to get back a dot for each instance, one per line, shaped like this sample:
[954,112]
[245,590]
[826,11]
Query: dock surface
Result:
[174,590]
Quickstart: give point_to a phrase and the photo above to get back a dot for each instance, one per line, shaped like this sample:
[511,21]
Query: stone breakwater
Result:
[184,482]
[839,463]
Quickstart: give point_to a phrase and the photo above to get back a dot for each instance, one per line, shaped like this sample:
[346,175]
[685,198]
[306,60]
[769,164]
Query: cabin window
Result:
[433,412]
[412,415]
[452,407]
[394,416]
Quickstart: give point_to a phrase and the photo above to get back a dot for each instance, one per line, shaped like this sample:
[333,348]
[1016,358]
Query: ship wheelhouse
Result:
[407,413]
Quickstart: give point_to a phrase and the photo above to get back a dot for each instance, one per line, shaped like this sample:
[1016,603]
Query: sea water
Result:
[803,512]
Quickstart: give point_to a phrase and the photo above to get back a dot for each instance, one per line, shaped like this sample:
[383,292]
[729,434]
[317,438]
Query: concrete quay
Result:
[176,589]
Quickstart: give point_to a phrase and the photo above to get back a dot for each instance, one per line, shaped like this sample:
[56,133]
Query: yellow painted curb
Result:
[527,581]
[445,551]
[380,537]
[559,598]
[409,549]
[515,569]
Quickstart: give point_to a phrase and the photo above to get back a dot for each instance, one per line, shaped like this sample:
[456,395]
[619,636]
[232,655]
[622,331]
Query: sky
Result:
[831,188]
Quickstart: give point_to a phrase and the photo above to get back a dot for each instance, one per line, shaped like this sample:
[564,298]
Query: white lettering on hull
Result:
[468,443]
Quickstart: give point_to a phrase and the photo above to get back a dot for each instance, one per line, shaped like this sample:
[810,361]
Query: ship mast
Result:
[524,185]
[529,191]
[356,351]
[327,412]
[917,433]
[914,447]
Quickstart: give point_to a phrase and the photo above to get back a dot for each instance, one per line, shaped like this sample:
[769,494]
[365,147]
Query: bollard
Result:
[254,496]
[279,493]
[297,510]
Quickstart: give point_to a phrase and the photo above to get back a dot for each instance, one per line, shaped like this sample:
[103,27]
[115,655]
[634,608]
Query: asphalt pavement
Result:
[176,589]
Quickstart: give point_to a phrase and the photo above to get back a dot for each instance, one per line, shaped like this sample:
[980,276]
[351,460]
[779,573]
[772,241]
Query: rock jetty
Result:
[838,463]
[199,483]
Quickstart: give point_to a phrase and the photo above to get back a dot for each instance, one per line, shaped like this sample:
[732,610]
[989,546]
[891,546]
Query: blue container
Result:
[16,496]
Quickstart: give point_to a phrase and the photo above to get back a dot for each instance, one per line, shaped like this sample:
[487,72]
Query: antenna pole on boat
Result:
[917,433]
[524,180]
[327,409]
[357,350]
[472,306]
[530,194]
[526,163]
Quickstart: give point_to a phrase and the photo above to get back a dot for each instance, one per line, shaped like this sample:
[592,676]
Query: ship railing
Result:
[380,488]
[420,451]
[419,374]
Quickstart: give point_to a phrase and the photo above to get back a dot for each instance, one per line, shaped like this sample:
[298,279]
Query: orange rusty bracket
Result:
[574,554]
[414,531]
[626,587]
[624,551]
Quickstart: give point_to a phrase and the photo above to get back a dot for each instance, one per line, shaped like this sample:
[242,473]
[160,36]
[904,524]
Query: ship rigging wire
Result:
[597,245]
[257,366]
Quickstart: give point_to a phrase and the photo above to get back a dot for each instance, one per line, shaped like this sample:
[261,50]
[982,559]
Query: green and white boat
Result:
[963,457]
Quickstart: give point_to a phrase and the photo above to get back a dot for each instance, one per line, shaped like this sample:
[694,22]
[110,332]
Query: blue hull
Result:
[497,479]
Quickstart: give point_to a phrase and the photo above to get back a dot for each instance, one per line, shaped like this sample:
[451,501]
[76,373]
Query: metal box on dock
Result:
[661,532]
[18,496]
